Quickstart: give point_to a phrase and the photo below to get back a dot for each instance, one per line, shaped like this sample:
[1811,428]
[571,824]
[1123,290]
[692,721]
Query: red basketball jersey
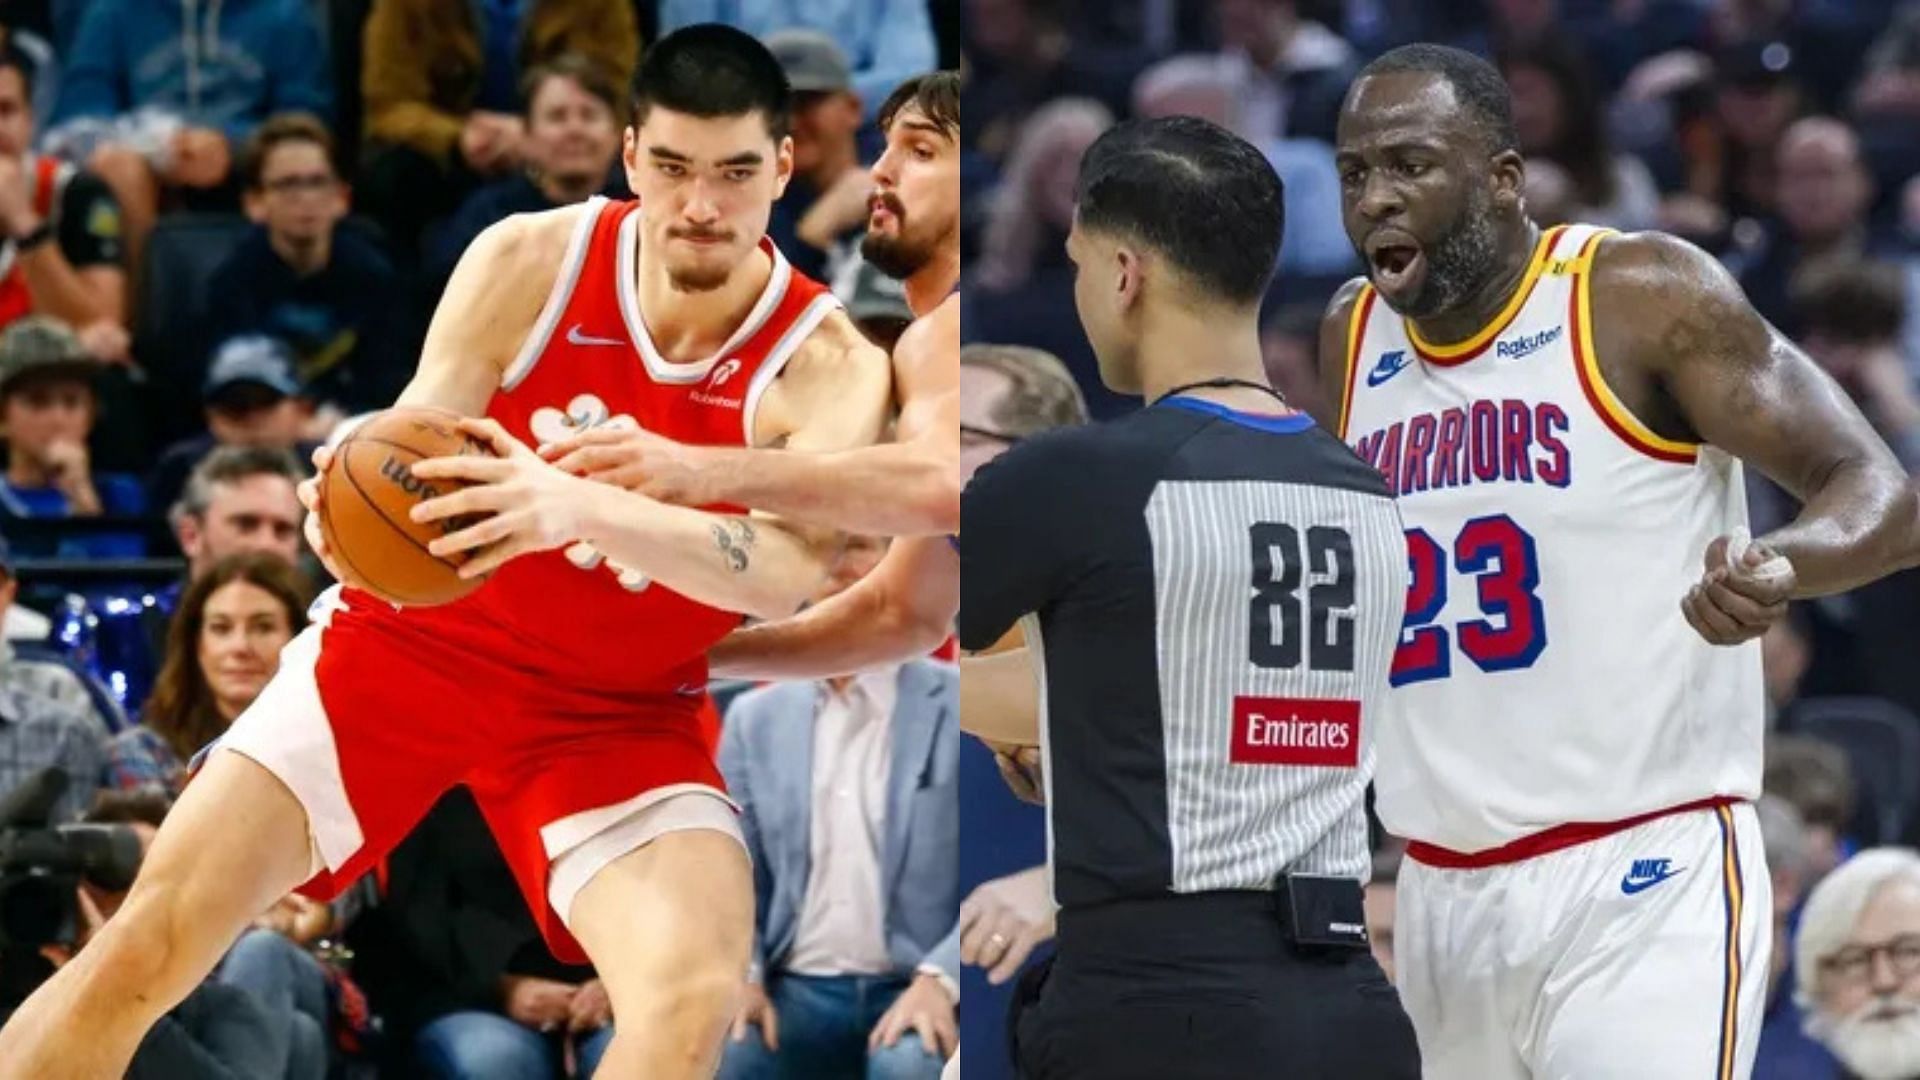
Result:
[589,362]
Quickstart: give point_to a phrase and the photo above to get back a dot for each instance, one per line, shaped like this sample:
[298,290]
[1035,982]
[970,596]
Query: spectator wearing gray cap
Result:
[48,408]
[886,42]
[253,399]
[46,718]
[818,222]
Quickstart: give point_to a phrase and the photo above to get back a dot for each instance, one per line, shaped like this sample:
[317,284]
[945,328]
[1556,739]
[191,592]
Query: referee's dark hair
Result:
[1477,86]
[709,70]
[1192,191]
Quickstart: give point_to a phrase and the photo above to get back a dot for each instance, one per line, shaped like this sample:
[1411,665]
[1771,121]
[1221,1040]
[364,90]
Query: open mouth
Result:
[1396,262]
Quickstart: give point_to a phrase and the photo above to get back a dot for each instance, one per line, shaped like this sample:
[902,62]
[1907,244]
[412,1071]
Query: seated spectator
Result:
[1786,1052]
[47,410]
[46,719]
[1859,959]
[325,290]
[1851,315]
[224,645]
[887,41]
[1813,777]
[1291,72]
[856,940]
[237,499]
[455,966]
[574,116]
[1560,118]
[438,123]
[1823,195]
[159,97]
[253,399]
[818,221]
[61,226]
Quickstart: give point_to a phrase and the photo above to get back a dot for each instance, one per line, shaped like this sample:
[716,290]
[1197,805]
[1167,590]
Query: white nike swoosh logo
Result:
[575,337]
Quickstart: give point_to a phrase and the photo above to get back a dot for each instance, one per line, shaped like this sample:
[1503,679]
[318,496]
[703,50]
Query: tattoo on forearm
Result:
[735,539]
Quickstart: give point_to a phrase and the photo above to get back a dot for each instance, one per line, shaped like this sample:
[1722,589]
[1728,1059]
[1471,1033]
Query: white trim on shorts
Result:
[286,732]
[628,827]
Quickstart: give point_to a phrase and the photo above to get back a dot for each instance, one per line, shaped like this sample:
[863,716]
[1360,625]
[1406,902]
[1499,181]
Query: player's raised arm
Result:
[1738,384]
[907,487]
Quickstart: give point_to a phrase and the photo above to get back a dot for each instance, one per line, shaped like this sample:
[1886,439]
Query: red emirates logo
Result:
[1295,731]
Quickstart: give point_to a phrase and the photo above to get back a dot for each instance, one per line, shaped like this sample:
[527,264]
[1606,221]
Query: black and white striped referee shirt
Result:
[1213,599]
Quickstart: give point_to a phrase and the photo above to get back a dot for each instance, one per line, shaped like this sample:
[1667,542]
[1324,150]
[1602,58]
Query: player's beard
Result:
[1459,263]
[901,255]
[1875,1048]
[696,274]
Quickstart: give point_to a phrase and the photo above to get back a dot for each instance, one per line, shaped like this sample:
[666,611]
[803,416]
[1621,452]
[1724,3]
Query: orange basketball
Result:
[369,489]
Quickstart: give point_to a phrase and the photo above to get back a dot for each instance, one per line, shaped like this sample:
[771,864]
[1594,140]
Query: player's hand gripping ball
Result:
[503,505]
[363,501]
[1743,592]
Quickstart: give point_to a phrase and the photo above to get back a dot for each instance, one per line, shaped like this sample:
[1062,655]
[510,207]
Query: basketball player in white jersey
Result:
[662,902]
[1573,736]
[908,488]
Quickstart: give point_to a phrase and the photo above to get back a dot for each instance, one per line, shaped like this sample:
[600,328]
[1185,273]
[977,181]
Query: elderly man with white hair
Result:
[1859,962]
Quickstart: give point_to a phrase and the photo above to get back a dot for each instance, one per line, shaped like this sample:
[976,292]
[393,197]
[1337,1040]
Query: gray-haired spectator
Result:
[1009,393]
[46,719]
[1859,960]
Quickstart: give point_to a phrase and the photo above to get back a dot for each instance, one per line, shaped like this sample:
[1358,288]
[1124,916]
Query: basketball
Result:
[369,489]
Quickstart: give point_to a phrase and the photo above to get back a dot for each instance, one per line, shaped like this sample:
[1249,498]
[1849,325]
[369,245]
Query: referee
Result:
[1211,590]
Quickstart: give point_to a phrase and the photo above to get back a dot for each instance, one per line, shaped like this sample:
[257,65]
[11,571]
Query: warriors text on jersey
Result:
[1545,675]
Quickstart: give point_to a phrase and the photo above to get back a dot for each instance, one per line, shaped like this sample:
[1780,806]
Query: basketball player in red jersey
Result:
[563,692]
[905,607]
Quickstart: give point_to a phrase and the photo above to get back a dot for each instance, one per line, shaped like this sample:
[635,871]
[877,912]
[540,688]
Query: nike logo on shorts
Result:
[1644,874]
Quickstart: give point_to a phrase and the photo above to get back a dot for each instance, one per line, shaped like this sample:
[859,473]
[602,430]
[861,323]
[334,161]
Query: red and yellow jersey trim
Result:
[1612,411]
[1356,331]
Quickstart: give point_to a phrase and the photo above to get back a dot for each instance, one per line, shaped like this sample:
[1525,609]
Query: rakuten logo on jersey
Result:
[1295,731]
[718,378]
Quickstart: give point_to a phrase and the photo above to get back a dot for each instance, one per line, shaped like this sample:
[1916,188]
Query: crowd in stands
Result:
[223,229]
[1781,135]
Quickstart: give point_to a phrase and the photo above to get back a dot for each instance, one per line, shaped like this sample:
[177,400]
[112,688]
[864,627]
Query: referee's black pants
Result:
[1205,987]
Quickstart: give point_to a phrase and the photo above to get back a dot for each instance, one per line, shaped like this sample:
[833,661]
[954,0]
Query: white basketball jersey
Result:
[1545,674]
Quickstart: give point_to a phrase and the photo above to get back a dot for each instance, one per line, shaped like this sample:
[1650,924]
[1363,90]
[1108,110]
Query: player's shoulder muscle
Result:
[1686,307]
[835,390]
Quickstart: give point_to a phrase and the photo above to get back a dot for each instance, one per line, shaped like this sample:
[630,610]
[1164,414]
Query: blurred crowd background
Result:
[1781,135]
[224,225]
